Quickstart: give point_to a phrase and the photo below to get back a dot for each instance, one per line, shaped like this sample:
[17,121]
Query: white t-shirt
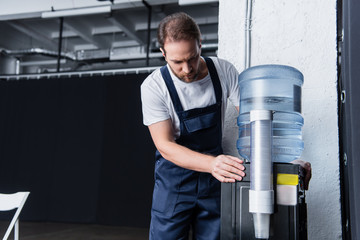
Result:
[156,101]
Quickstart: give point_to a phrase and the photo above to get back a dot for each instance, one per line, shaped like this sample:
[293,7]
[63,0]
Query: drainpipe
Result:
[248,26]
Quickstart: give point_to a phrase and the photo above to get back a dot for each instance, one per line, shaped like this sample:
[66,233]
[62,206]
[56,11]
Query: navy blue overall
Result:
[182,197]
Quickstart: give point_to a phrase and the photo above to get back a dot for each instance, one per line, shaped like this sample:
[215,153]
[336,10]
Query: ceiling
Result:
[119,38]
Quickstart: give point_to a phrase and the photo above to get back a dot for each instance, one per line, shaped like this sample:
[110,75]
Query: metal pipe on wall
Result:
[248,20]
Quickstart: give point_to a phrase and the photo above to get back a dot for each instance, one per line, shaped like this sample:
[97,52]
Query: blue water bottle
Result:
[276,88]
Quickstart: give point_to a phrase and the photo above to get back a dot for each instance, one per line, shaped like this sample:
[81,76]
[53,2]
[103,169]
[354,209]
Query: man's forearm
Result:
[225,168]
[186,158]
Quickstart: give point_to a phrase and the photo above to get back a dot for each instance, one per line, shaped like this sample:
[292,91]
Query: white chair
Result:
[9,202]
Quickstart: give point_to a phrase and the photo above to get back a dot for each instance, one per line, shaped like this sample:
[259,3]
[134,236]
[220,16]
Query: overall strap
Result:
[215,79]
[172,90]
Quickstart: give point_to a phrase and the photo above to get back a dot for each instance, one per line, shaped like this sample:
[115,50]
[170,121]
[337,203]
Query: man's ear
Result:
[200,46]
[162,51]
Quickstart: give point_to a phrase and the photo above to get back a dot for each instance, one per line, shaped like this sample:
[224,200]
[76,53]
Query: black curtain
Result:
[79,146]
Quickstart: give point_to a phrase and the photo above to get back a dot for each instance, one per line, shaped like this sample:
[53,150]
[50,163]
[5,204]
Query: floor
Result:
[56,231]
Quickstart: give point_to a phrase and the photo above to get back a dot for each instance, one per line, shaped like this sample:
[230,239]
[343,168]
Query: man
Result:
[184,105]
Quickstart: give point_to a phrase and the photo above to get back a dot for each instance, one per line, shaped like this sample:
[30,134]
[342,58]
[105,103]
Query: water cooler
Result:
[269,203]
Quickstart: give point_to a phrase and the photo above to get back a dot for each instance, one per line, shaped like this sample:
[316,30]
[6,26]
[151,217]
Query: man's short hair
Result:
[176,27]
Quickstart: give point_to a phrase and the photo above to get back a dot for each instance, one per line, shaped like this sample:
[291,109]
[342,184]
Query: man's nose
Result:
[187,68]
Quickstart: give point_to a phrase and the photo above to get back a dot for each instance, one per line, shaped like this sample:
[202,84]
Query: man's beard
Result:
[186,78]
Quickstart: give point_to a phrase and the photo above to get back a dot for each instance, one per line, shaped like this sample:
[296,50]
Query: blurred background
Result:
[49,36]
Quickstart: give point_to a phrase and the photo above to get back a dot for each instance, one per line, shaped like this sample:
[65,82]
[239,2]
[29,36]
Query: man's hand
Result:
[307,167]
[227,168]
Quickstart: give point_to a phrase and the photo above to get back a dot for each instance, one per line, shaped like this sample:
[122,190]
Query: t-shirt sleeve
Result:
[154,108]
[234,91]
[230,75]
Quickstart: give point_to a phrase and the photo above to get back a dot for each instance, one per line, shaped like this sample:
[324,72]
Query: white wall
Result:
[301,34]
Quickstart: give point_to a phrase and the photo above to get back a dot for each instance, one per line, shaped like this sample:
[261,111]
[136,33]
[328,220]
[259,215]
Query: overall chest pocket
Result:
[200,122]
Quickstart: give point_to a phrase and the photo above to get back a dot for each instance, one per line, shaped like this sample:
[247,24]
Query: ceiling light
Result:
[76,12]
